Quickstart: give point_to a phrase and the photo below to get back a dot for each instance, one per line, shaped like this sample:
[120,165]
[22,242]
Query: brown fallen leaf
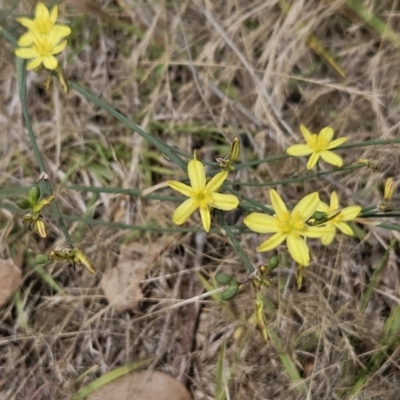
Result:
[121,284]
[10,279]
[144,385]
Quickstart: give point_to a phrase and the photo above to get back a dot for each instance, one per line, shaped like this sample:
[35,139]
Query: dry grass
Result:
[196,75]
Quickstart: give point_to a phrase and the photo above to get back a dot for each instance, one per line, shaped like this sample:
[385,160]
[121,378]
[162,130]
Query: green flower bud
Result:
[34,194]
[41,258]
[23,203]
[273,263]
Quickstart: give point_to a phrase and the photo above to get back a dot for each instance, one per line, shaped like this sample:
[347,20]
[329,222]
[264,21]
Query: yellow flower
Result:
[201,195]
[290,226]
[318,146]
[339,220]
[42,24]
[43,50]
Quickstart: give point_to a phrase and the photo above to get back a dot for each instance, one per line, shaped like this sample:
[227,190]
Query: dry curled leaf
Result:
[121,284]
[144,385]
[10,279]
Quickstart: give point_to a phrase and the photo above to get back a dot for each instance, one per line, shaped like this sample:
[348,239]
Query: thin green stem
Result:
[44,184]
[235,242]
[166,150]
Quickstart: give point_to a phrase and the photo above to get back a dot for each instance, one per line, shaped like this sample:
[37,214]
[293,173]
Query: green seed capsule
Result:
[229,293]
[34,194]
[41,258]
[273,263]
[224,279]
[23,203]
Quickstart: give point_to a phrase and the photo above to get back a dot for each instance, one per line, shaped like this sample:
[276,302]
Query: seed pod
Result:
[34,194]
[273,263]
[41,259]
[23,203]
[229,293]
[224,279]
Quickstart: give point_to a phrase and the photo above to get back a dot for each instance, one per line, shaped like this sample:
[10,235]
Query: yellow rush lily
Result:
[318,146]
[339,220]
[42,24]
[202,195]
[43,39]
[288,225]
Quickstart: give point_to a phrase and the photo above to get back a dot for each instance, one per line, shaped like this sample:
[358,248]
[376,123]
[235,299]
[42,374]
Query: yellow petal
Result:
[183,212]
[216,182]
[298,249]
[334,204]
[28,23]
[26,40]
[336,143]
[34,63]
[62,30]
[316,231]
[389,189]
[331,158]
[50,62]
[299,150]
[26,53]
[40,228]
[307,206]
[326,134]
[180,187]
[41,11]
[278,205]
[262,223]
[328,239]
[306,133]
[312,160]
[224,202]
[53,14]
[59,48]
[205,218]
[272,242]
[197,174]
[345,228]
[322,207]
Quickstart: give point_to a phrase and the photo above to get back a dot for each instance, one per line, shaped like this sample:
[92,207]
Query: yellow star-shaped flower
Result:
[202,195]
[288,225]
[42,24]
[43,50]
[339,220]
[318,146]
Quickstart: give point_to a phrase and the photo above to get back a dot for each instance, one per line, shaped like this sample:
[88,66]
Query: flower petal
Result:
[41,12]
[307,206]
[323,207]
[331,158]
[350,213]
[180,187]
[326,134]
[278,205]
[328,239]
[316,231]
[62,30]
[197,174]
[183,212]
[336,143]
[306,133]
[272,242]
[26,22]
[334,204]
[26,53]
[262,223]
[26,40]
[205,218]
[299,150]
[59,48]
[50,62]
[224,202]
[298,249]
[34,63]
[345,228]
[53,14]
[216,181]
[312,160]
